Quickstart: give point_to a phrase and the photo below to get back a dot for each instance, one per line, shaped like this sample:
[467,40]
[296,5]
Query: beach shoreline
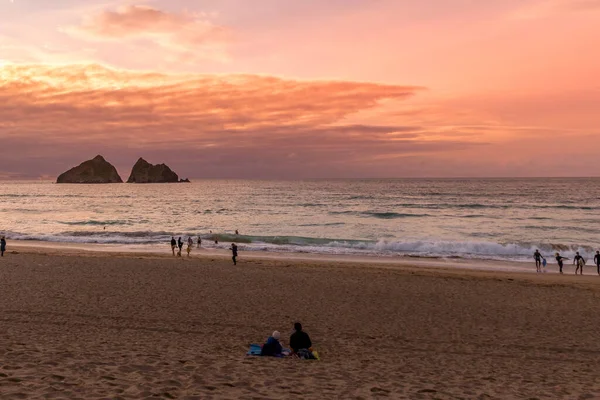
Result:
[368,260]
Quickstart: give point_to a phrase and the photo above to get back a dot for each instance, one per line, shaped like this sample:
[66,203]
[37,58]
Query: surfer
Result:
[234,253]
[538,261]
[559,260]
[579,262]
[173,244]
[597,261]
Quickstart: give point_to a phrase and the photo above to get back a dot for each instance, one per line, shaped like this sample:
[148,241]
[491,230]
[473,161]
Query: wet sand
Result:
[102,325]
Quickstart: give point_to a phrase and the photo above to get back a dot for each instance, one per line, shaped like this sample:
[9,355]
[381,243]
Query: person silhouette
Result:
[180,244]
[538,260]
[2,246]
[579,262]
[173,244]
[234,253]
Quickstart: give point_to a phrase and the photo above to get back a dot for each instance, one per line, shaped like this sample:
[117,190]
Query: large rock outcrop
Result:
[96,170]
[144,172]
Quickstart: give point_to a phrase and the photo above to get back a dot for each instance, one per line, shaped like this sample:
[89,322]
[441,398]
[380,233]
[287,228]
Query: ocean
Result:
[496,219]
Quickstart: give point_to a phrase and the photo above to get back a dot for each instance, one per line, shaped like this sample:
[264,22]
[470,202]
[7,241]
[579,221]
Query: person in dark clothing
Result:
[199,241]
[234,253]
[173,244]
[180,244]
[579,262]
[538,260]
[597,261]
[559,260]
[2,246]
[272,347]
[299,339]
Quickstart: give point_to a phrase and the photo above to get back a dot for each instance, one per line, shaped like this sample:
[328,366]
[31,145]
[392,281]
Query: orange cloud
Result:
[249,126]
[247,118]
[184,32]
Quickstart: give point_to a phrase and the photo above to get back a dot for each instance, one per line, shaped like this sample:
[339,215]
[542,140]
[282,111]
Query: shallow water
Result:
[504,219]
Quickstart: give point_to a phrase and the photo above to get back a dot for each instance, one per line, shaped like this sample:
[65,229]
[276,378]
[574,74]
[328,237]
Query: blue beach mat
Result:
[256,348]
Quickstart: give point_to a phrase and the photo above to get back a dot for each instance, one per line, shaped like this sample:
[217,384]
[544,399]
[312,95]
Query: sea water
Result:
[501,219]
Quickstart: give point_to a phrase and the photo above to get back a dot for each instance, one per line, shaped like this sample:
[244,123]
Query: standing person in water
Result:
[199,241]
[538,261]
[180,244]
[173,244]
[597,261]
[234,253]
[579,262]
[190,245]
[2,246]
[559,260]
[236,232]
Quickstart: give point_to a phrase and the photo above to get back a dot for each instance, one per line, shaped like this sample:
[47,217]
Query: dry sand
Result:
[94,326]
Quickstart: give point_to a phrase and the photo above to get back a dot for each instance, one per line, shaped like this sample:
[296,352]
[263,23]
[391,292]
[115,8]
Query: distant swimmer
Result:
[180,244]
[579,262]
[190,243]
[2,246]
[234,253]
[538,260]
[173,244]
[559,260]
[199,241]
[597,261]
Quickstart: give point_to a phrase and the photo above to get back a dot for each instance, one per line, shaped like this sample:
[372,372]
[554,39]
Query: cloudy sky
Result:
[302,89]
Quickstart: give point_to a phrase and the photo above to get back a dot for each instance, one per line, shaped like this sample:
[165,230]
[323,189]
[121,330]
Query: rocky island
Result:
[96,170]
[144,172]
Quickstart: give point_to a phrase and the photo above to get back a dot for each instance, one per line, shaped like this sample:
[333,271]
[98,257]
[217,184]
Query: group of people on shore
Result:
[578,261]
[190,244]
[300,344]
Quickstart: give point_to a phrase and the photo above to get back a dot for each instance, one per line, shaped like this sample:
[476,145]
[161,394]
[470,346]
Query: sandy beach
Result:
[130,326]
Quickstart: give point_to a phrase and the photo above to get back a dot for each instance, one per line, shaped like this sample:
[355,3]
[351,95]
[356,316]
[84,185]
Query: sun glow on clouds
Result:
[251,116]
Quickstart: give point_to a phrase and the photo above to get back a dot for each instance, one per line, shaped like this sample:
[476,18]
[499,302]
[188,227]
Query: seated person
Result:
[299,339]
[272,347]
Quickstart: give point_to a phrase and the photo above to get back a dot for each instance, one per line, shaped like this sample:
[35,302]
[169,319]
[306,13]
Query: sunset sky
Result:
[302,89]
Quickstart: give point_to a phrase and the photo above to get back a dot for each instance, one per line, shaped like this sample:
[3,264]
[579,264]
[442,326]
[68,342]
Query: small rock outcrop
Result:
[96,170]
[144,172]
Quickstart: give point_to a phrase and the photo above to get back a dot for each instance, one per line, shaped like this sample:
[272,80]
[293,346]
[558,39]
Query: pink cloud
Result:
[187,33]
